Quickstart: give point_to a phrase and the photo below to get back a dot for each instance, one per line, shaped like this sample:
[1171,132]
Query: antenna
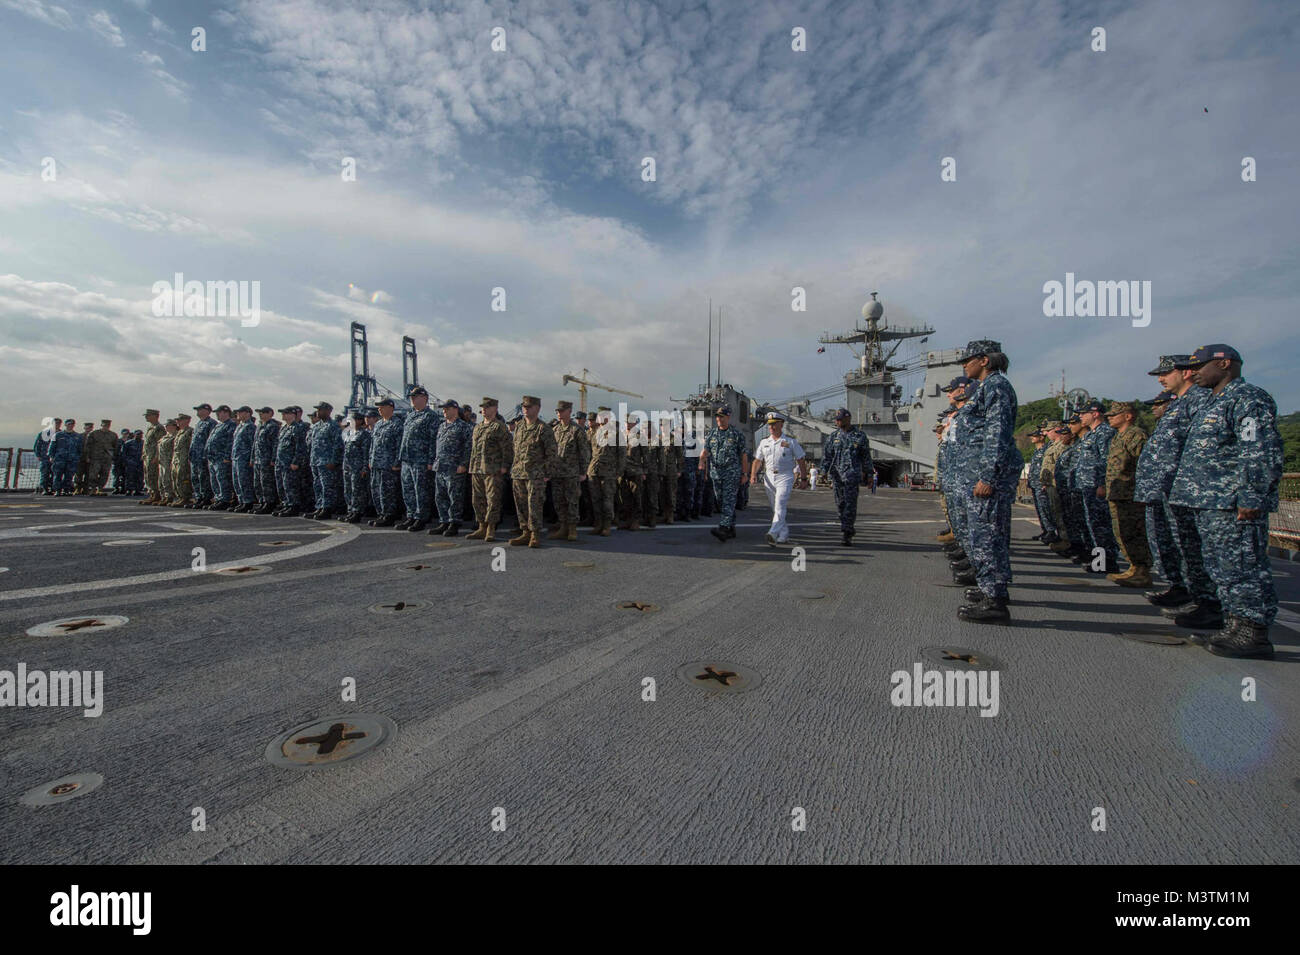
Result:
[708,379]
[719,344]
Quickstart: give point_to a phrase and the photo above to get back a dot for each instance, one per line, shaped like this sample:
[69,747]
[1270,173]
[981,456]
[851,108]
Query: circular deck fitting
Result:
[278,543]
[331,740]
[810,594]
[243,570]
[62,789]
[959,658]
[414,567]
[579,564]
[441,544]
[66,625]
[126,542]
[716,676]
[1154,635]
[637,605]
[396,607]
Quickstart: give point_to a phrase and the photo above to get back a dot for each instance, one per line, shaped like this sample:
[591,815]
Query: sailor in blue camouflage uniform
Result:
[290,459]
[265,440]
[241,460]
[1229,474]
[217,453]
[451,468]
[386,464]
[1206,612]
[1090,479]
[65,454]
[200,478]
[956,437]
[419,439]
[725,457]
[1071,501]
[846,457]
[43,446]
[1156,469]
[326,441]
[991,471]
[356,464]
[1042,503]
[133,462]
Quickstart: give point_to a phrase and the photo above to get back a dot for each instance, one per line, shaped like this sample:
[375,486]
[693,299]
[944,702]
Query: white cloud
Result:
[47,13]
[103,24]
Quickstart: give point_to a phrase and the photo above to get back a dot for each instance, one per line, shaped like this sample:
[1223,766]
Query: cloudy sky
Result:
[522,169]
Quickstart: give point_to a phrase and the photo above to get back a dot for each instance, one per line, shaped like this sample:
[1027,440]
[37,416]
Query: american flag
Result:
[822,349]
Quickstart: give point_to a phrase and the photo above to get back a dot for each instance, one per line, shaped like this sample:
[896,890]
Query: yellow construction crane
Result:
[582,384]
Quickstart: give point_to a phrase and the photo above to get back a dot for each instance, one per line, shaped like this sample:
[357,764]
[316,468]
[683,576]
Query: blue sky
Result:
[521,169]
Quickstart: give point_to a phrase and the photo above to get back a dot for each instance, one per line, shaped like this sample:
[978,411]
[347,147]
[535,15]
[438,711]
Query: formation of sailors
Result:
[1189,502]
[429,469]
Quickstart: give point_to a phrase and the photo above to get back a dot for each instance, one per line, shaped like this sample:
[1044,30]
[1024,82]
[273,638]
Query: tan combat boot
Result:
[1124,576]
[572,534]
[635,525]
[488,531]
[535,540]
[595,528]
[945,537]
[478,533]
[1140,577]
[522,538]
[605,529]
[560,531]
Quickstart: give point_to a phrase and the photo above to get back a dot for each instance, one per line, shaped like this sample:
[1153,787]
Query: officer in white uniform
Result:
[781,457]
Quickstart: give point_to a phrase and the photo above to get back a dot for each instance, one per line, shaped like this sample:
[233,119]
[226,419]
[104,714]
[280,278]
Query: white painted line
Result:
[328,541]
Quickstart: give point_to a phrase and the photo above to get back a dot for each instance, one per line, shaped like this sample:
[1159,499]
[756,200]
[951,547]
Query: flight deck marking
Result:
[326,542]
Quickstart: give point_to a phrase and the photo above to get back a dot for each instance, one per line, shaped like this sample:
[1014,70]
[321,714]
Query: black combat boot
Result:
[964,578]
[989,609]
[1173,597]
[1208,615]
[1241,637]
[291,512]
[974,595]
[440,528]
[389,521]
[417,526]
[354,518]
[403,524]
[220,506]
[958,566]
[720,533]
[847,539]
[955,551]
[452,530]
[1051,537]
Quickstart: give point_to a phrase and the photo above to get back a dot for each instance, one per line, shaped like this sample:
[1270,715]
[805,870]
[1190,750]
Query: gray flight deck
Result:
[522,691]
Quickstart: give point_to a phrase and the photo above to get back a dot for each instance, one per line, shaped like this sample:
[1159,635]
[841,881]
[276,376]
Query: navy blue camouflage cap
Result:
[450,403]
[359,414]
[244,408]
[203,407]
[417,390]
[297,409]
[961,381]
[843,413]
[978,347]
[126,431]
[385,401]
[1074,419]
[287,409]
[1162,399]
[225,408]
[322,406]
[581,416]
[1093,405]
[370,411]
[1167,364]
[721,410]
[266,409]
[1061,429]
[1208,353]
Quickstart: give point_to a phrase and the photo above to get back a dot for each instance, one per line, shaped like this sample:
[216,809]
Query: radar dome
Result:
[873,309]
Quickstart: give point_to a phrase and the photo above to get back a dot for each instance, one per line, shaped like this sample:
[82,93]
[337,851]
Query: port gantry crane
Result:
[583,384]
